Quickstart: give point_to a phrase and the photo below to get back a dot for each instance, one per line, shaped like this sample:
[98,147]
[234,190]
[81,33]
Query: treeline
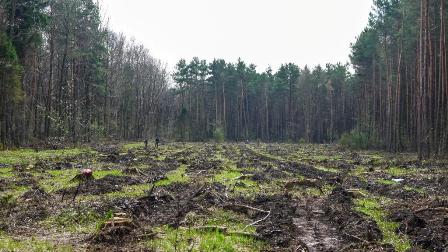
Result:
[291,104]
[401,74]
[66,75]
[396,100]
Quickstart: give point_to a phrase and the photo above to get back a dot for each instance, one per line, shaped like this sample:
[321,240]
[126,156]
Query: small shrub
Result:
[219,135]
[355,140]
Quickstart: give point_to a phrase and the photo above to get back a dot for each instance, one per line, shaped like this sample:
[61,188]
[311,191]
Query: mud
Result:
[427,224]
[101,186]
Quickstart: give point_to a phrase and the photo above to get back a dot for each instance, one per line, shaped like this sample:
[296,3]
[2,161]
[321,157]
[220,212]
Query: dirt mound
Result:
[169,205]
[353,227]
[4,184]
[427,226]
[117,158]
[35,194]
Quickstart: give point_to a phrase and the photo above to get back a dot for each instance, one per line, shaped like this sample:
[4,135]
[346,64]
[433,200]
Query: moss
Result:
[372,208]
[25,156]
[176,176]
[9,244]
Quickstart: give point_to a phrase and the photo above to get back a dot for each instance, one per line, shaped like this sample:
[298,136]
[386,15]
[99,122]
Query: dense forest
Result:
[66,75]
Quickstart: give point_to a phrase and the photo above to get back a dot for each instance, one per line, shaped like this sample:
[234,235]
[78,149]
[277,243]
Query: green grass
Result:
[413,189]
[229,177]
[190,239]
[80,221]
[25,156]
[61,179]
[9,197]
[372,208]
[399,172]
[58,179]
[176,176]
[99,174]
[132,191]
[327,169]
[9,244]
[136,145]
[359,171]
[6,173]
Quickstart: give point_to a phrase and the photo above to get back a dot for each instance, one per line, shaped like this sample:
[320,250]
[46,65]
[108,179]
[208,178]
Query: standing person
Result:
[146,144]
[157,142]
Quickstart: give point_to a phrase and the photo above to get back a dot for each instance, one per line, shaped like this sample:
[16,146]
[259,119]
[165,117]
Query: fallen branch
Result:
[211,228]
[224,230]
[355,237]
[245,176]
[436,209]
[245,234]
[252,208]
[258,221]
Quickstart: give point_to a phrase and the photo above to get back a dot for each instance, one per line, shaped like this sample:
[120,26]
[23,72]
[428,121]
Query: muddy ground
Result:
[222,197]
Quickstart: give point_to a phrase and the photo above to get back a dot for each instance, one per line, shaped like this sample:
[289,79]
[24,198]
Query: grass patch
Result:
[323,191]
[9,197]
[99,174]
[132,191]
[9,244]
[61,179]
[80,221]
[6,173]
[398,172]
[386,182]
[176,176]
[359,171]
[190,239]
[413,189]
[372,208]
[58,179]
[325,169]
[25,156]
[136,145]
[230,178]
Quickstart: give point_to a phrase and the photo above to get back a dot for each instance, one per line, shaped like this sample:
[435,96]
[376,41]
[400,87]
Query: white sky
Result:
[263,32]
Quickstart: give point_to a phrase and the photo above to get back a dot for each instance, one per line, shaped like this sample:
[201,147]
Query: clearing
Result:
[222,197]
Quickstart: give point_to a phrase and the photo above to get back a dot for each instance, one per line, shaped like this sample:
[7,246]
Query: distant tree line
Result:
[291,104]
[64,74]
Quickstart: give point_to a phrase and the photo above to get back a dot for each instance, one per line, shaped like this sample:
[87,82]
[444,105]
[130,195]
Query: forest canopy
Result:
[65,75]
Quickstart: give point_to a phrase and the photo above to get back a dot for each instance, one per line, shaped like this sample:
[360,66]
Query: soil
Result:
[286,218]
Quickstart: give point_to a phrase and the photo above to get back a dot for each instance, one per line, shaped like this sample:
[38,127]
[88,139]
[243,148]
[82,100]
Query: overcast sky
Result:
[263,32]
